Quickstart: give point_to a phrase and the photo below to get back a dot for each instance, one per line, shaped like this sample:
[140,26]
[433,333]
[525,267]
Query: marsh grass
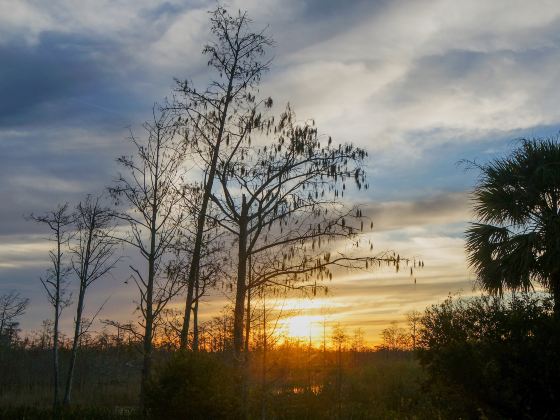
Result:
[299,385]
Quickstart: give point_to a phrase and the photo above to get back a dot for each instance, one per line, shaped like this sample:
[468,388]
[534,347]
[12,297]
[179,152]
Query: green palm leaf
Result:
[515,240]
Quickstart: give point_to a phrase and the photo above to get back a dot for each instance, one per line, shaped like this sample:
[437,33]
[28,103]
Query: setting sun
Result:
[302,326]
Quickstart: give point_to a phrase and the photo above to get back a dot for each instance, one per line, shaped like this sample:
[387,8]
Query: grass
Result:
[300,384]
[73,413]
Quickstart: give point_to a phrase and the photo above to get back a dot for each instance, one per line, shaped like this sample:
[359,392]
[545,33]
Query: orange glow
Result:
[303,326]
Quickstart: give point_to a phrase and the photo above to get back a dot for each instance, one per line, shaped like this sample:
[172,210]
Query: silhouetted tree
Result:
[216,333]
[152,191]
[215,116]
[93,258]
[127,332]
[413,318]
[266,323]
[282,203]
[54,283]
[339,339]
[515,240]
[395,337]
[358,343]
[12,306]
[499,354]
[214,256]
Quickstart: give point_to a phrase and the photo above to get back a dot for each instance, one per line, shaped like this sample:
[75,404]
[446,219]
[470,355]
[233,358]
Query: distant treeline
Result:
[474,357]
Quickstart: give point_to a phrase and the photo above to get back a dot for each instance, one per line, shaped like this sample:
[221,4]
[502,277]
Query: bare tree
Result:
[266,320]
[216,333]
[358,342]
[127,332]
[59,222]
[395,337]
[216,114]
[206,279]
[12,306]
[93,258]
[282,203]
[154,217]
[413,318]
[213,258]
[339,339]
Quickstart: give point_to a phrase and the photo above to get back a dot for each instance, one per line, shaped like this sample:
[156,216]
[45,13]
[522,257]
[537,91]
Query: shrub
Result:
[67,413]
[193,386]
[502,354]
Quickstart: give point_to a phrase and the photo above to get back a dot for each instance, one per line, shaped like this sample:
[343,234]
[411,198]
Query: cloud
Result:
[420,84]
[28,20]
[401,79]
[445,208]
[78,82]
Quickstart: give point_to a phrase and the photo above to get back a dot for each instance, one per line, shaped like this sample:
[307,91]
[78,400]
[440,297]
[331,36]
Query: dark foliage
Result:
[499,354]
[300,384]
[107,377]
[515,240]
[73,413]
[193,386]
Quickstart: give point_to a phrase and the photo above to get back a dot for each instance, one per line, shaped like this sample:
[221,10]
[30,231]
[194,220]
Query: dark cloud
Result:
[167,10]
[64,77]
[68,80]
[444,208]
[65,105]
[40,168]
[321,9]
[476,73]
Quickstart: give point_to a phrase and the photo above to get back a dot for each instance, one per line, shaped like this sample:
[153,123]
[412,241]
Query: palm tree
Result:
[515,241]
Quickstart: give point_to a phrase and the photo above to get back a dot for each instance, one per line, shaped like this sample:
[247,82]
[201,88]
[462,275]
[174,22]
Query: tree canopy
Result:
[515,241]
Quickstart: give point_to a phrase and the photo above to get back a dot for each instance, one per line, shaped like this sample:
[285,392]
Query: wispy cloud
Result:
[420,84]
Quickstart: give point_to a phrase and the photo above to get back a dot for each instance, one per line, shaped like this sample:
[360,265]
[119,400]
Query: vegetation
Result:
[223,194]
[499,354]
[55,281]
[515,242]
[195,386]
[301,382]
[154,212]
[12,306]
[475,358]
[220,118]
[93,259]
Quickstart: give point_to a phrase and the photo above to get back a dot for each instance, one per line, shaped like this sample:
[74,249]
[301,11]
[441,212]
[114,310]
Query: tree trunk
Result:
[75,343]
[79,311]
[555,291]
[195,318]
[2,318]
[148,332]
[147,362]
[56,319]
[248,315]
[195,261]
[184,338]
[246,368]
[239,311]
[55,350]
[247,324]
[263,370]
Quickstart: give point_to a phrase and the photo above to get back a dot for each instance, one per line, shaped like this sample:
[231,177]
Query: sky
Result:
[421,84]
